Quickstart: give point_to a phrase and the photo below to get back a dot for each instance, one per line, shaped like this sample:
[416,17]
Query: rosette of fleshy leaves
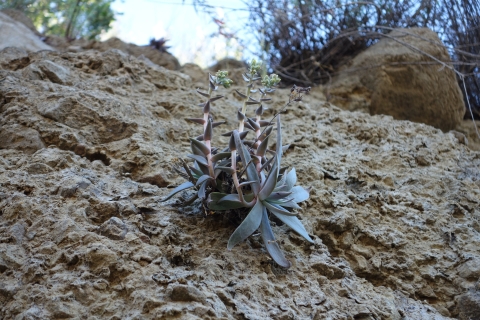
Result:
[245,174]
[270,192]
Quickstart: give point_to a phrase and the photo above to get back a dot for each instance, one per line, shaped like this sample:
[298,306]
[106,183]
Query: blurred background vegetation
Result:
[70,18]
[307,41]
[304,41]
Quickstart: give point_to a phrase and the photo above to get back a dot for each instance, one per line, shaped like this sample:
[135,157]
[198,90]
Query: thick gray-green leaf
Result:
[262,147]
[265,165]
[228,170]
[246,183]
[248,225]
[220,156]
[252,173]
[269,184]
[215,196]
[181,187]
[196,172]
[202,190]
[277,209]
[195,149]
[291,179]
[290,203]
[295,224]
[282,195]
[230,197]
[299,194]
[227,204]
[199,159]
[279,142]
[205,150]
[270,243]
[203,179]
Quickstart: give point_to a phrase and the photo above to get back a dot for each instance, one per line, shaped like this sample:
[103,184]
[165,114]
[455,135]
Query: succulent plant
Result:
[159,44]
[245,174]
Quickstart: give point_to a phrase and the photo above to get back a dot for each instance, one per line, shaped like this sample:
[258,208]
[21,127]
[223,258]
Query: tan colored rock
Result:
[21,138]
[469,305]
[163,59]
[394,77]
[15,34]
[470,130]
[393,207]
[197,74]
[21,17]
[227,64]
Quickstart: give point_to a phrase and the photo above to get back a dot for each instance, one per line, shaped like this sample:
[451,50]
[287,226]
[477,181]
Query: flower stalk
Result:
[260,187]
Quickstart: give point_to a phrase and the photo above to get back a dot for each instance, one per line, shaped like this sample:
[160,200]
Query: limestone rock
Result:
[470,269]
[393,205]
[394,78]
[163,59]
[197,74]
[21,138]
[21,17]
[469,305]
[114,228]
[471,138]
[227,64]
[186,293]
[16,34]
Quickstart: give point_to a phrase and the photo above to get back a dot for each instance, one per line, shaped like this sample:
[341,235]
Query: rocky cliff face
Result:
[87,141]
[402,76]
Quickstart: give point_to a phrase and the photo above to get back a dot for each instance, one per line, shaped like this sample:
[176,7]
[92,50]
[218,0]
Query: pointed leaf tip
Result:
[271,244]
[294,223]
[181,187]
[248,226]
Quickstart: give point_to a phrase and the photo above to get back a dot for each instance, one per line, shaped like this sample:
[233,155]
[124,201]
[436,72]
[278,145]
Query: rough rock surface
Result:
[393,77]
[147,53]
[470,130]
[21,17]
[14,33]
[394,206]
